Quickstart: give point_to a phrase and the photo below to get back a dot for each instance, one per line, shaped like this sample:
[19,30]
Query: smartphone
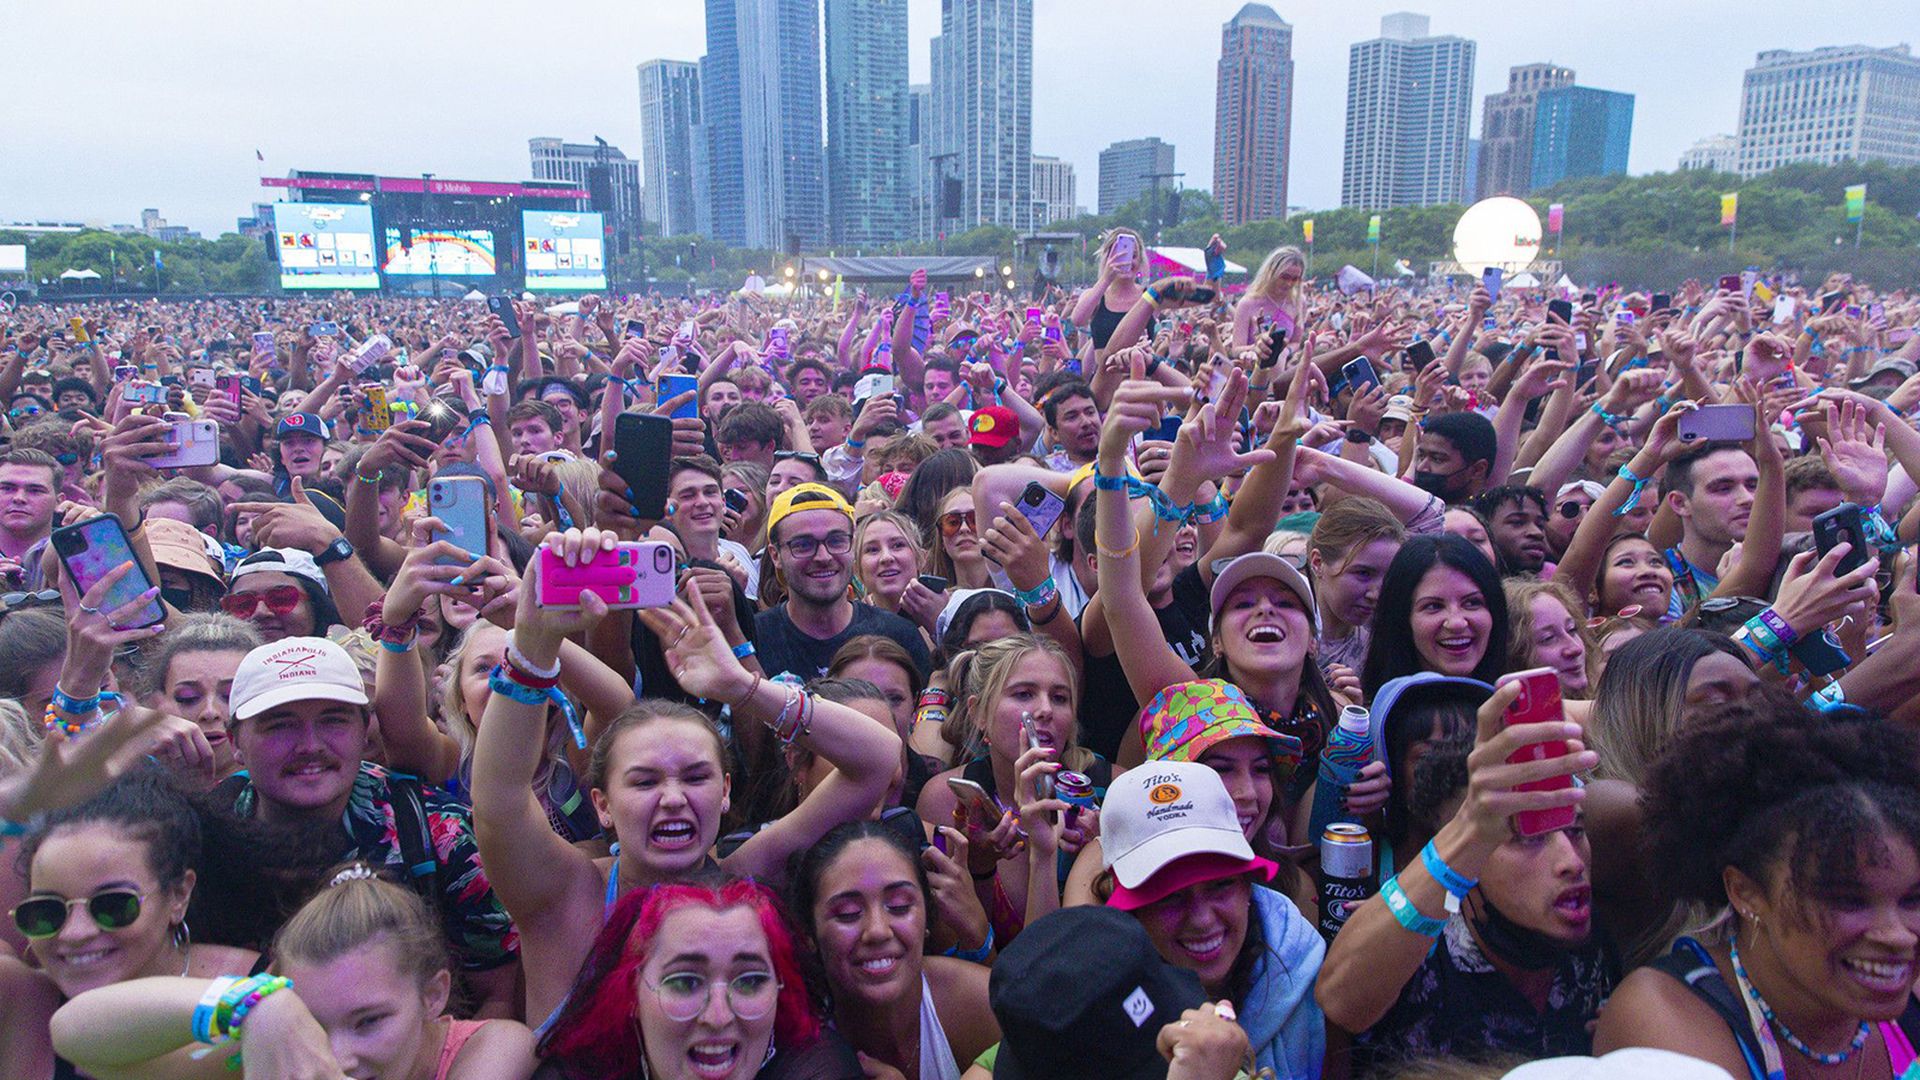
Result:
[1661,301]
[934,583]
[1277,340]
[1584,373]
[229,385]
[1561,308]
[1360,375]
[1624,317]
[1202,294]
[672,386]
[1033,316]
[975,799]
[778,343]
[379,412]
[1490,280]
[263,343]
[635,574]
[1169,428]
[90,550]
[194,443]
[319,329]
[642,446]
[1538,703]
[124,372]
[201,376]
[874,385]
[503,307]
[1040,507]
[1830,301]
[145,394]
[735,499]
[79,326]
[1717,423]
[1731,283]
[1123,247]
[460,502]
[1840,525]
[1419,354]
[1043,787]
[636,328]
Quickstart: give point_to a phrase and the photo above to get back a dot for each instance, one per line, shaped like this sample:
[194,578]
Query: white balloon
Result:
[1502,231]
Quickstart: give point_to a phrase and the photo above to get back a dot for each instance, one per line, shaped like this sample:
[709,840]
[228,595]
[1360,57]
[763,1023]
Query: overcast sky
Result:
[108,106]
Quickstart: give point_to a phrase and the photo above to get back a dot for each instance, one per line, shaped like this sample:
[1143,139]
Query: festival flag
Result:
[1373,229]
[157,263]
[1729,207]
[1306,229]
[1556,216]
[1856,202]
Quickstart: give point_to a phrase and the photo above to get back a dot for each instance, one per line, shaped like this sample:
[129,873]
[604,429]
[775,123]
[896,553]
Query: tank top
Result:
[936,1056]
[458,1032]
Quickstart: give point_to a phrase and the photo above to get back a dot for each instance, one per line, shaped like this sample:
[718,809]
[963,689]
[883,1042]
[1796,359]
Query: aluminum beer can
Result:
[1346,873]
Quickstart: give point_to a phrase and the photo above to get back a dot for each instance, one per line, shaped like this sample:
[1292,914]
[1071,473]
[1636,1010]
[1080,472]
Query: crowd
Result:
[1151,679]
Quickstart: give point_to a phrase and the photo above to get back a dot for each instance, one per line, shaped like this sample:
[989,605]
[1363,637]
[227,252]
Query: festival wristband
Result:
[1633,497]
[1406,914]
[1450,879]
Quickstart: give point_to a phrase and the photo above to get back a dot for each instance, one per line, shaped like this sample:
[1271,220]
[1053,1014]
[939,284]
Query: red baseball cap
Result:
[992,427]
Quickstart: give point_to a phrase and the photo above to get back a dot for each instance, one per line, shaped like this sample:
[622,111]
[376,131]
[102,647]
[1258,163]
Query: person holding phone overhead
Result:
[1101,306]
[1272,300]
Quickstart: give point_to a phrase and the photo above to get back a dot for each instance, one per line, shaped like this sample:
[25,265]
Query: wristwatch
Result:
[334,552]
[1355,435]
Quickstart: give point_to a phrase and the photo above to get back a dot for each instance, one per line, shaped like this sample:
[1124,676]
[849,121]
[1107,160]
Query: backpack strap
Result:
[1690,965]
[415,837]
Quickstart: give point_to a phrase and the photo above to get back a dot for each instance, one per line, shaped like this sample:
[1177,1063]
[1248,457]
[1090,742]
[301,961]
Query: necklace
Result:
[1766,1011]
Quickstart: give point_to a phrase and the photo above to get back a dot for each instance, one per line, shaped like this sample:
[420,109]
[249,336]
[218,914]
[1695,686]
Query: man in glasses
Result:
[299,726]
[810,533]
[1569,508]
[29,492]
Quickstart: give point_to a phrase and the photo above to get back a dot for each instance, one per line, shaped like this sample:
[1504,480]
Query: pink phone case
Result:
[632,575]
[1538,703]
[194,442]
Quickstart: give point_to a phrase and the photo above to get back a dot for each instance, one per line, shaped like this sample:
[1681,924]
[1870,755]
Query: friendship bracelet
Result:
[1450,879]
[1610,419]
[1406,914]
[1102,482]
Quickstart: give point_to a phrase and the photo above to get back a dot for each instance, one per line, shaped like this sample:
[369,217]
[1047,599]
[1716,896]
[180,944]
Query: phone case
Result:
[460,502]
[1538,703]
[201,377]
[1717,423]
[642,445]
[672,386]
[1842,524]
[90,550]
[1040,507]
[975,797]
[635,574]
[194,442]
[1360,374]
[379,415]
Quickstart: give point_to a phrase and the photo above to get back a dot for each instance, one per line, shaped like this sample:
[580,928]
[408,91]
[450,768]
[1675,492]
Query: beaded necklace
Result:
[1769,1022]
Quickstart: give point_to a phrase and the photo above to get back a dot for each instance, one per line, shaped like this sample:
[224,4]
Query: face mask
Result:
[1436,484]
[1527,949]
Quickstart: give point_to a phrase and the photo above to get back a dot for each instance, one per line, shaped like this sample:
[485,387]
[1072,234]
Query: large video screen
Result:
[565,252]
[325,246]
[446,252]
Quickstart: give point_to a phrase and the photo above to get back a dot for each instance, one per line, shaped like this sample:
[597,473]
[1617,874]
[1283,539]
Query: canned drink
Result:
[1073,787]
[1346,873]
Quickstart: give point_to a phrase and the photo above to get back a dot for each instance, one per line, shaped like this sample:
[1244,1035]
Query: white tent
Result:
[1192,259]
[79,275]
[570,307]
[1565,282]
[475,295]
[1524,280]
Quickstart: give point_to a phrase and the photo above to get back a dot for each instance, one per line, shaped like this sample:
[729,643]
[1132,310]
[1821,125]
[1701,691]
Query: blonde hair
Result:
[980,674]
[1140,263]
[899,521]
[1521,593]
[358,909]
[1266,280]
[20,737]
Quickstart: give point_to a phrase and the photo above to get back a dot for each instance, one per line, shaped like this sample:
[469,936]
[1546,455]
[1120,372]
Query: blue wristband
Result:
[1449,878]
[743,650]
[974,956]
[1037,596]
[1633,498]
[1406,914]
[1109,483]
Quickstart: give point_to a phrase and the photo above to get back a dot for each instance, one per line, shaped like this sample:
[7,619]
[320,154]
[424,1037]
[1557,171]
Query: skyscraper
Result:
[1845,103]
[1506,130]
[785,190]
[983,113]
[1580,131]
[611,178]
[1053,193]
[1253,116]
[1720,153]
[669,114]
[919,169]
[1132,168]
[867,122]
[718,168]
[1409,107]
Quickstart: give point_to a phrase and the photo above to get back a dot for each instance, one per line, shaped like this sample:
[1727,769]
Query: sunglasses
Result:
[15,601]
[24,412]
[280,600]
[1728,603]
[1572,508]
[951,521]
[43,916]
[796,455]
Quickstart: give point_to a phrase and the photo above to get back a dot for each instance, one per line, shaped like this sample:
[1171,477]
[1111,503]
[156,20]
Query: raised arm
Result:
[1581,564]
[413,743]
[1478,304]
[1752,572]
[1256,506]
[1532,382]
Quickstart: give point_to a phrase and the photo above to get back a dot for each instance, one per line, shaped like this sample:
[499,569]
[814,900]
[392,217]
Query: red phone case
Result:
[1539,703]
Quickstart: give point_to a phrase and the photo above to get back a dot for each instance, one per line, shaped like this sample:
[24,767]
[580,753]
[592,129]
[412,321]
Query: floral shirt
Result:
[1458,1004]
[476,922]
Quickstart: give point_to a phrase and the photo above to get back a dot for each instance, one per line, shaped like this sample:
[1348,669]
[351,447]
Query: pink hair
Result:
[595,1038]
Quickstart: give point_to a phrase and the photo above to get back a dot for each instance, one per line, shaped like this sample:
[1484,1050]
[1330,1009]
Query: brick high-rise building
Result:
[1253,116]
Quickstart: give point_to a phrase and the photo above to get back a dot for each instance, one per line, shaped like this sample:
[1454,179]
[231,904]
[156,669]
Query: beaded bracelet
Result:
[1406,914]
[204,1013]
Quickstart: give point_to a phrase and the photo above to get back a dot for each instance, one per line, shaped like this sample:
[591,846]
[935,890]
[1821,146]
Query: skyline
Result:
[106,140]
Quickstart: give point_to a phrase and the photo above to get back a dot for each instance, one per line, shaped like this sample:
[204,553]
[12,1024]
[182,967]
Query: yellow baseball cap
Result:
[802,497]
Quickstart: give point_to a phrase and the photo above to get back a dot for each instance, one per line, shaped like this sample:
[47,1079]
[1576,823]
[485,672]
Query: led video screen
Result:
[325,246]
[565,252]
[445,252]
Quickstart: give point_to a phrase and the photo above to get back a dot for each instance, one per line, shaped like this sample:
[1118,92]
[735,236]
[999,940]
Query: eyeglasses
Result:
[43,916]
[952,520]
[1728,603]
[804,547]
[684,996]
[280,600]
[15,601]
[796,455]
[1572,508]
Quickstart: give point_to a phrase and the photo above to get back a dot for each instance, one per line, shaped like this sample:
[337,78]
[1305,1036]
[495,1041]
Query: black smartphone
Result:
[1169,428]
[636,328]
[1661,301]
[503,307]
[1830,301]
[1562,308]
[90,550]
[736,500]
[1360,375]
[1202,294]
[1419,354]
[933,582]
[642,446]
[1839,525]
[1277,339]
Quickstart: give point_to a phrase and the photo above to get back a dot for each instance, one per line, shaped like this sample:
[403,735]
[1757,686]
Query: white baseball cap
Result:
[282,560]
[1631,1063]
[296,669]
[1165,812]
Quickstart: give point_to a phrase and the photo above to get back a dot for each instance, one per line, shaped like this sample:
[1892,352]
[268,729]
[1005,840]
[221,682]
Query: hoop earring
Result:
[182,936]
